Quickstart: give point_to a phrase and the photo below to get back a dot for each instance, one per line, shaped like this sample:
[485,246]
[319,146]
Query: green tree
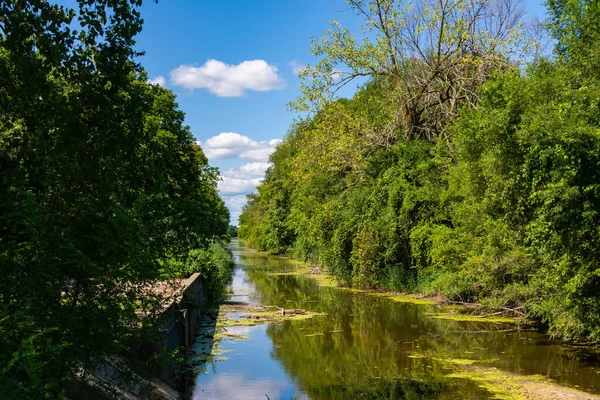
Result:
[528,174]
[232,231]
[100,182]
[435,54]
[502,212]
[574,24]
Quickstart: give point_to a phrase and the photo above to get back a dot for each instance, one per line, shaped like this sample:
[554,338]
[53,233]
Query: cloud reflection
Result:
[237,387]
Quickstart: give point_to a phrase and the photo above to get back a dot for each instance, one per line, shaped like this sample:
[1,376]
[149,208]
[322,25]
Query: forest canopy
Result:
[103,191]
[466,165]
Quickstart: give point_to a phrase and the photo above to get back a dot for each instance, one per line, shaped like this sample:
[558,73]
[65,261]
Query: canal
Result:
[358,345]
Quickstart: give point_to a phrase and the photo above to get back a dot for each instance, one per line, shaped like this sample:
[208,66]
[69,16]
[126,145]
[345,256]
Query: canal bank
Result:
[363,346]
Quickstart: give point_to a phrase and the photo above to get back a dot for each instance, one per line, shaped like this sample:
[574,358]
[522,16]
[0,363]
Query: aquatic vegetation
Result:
[265,317]
[405,298]
[473,318]
[369,346]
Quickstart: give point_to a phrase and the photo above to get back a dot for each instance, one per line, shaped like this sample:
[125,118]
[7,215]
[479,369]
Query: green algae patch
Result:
[498,384]
[256,315]
[474,318]
[354,290]
[509,386]
[404,298]
[451,362]
[226,335]
[274,317]
[504,385]
[324,280]
[463,361]
[413,300]
[217,352]
[236,322]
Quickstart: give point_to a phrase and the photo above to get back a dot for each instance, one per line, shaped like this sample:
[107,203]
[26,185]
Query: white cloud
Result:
[226,80]
[235,186]
[234,203]
[233,191]
[296,67]
[242,180]
[235,386]
[259,154]
[248,171]
[234,145]
[237,183]
[159,80]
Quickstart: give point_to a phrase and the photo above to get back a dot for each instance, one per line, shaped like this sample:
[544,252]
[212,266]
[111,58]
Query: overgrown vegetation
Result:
[101,186]
[232,231]
[214,263]
[455,169]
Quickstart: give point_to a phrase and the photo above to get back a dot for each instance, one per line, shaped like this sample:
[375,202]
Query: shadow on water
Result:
[370,347]
[201,350]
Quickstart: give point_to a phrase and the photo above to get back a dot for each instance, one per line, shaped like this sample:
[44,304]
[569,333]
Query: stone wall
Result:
[180,319]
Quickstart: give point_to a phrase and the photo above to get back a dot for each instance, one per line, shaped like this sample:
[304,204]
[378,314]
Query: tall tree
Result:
[99,182]
[575,24]
[435,54]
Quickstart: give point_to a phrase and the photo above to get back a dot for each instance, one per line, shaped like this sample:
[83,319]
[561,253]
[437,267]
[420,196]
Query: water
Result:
[369,347]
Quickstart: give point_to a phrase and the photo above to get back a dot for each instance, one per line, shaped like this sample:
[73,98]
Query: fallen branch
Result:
[292,311]
[489,315]
[514,310]
[462,303]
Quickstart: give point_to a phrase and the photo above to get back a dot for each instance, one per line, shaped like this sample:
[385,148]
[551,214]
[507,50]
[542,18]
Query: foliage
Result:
[499,205]
[232,231]
[100,182]
[536,185]
[434,54]
[214,263]
[574,24]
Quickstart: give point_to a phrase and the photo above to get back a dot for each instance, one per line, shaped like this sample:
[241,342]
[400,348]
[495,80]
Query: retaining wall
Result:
[180,319]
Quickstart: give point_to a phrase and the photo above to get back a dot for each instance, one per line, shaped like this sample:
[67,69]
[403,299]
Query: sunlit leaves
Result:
[438,53]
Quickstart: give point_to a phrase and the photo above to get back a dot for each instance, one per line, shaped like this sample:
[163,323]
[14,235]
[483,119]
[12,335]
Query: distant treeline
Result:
[103,191]
[467,165]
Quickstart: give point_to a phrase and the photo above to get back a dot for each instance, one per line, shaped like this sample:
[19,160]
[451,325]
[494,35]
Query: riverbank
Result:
[502,384]
[509,386]
[294,333]
[446,309]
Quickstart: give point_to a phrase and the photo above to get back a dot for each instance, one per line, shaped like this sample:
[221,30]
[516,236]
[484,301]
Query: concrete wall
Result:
[180,319]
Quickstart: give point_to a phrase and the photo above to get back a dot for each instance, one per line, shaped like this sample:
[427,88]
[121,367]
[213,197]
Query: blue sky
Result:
[232,65]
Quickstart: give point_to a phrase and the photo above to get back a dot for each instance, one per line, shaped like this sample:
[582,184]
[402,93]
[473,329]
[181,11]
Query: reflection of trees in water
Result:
[374,347]
[348,360]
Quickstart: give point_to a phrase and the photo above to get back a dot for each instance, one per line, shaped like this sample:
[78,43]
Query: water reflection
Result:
[370,347]
[237,386]
[244,369]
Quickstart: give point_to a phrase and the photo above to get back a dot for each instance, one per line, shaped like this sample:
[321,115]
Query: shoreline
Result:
[453,310]
[499,383]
